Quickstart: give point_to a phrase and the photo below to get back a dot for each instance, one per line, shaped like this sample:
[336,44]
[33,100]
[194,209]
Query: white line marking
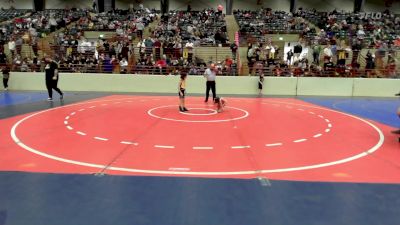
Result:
[65,122]
[327,121]
[320,116]
[329,125]
[129,101]
[289,107]
[164,146]
[327,130]
[101,139]
[300,109]
[156,99]
[81,133]
[312,113]
[81,110]
[129,143]
[179,169]
[73,113]
[150,112]
[317,135]
[70,128]
[117,102]
[203,148]
[238,147]
[91,107]
[300,140]
[274,144]
[67,118]
[104,104]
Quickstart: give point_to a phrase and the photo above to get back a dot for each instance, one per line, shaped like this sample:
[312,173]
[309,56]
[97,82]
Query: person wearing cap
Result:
[210,74]
[51,71]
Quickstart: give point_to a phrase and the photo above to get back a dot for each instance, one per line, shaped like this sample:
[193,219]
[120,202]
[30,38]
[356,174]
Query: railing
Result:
[337,71]
[221,70]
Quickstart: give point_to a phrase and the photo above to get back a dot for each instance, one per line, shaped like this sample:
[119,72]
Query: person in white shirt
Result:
[210,75]
[327,53]
[11,46]
[140,28]
[124,65]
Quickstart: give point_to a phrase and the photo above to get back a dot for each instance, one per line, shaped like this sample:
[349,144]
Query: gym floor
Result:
[107,158]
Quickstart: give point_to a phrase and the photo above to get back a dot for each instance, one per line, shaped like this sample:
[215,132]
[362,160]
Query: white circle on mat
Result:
[213,112]
[201,173]
[151,113]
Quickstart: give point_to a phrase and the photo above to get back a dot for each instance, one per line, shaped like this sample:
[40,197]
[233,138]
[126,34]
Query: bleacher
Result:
[206,29]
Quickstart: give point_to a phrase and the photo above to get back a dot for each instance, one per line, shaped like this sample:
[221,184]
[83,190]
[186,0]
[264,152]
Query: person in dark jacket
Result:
[51,72]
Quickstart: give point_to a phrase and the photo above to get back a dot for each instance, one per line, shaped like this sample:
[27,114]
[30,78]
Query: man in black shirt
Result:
[6,76]
[51,71]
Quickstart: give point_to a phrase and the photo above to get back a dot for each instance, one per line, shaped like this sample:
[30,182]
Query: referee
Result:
[210,75]
[51,71]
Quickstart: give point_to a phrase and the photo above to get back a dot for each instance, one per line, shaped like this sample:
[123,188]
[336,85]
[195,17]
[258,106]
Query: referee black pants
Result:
[5,82]
[50,85]
[210,85]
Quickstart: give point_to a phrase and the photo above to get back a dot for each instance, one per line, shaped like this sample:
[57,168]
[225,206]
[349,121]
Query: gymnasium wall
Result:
[244,85]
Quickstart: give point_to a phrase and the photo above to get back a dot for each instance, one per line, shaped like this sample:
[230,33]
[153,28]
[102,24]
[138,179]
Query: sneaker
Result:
[185,109]
[396,131]
[6,89]
[181,109]
[49,99]
[206,100]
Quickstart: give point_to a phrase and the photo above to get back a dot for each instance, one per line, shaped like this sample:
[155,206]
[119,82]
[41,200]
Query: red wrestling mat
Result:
[142,135]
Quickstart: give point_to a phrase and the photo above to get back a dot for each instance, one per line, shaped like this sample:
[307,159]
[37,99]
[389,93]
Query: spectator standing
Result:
[234,48]
[289,56]
[316,53]
[260,84]
[6,76]
[11,47]
[140,28]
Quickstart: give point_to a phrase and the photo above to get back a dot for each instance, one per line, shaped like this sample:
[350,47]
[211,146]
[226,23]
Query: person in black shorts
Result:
[260,84]
[6,76]
[51,71]
[181,93]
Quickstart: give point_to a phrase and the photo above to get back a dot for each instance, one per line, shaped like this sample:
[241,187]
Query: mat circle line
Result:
[201,173]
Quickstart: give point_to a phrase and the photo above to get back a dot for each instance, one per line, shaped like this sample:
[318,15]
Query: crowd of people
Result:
[333,39]
[256,24]
[206,27]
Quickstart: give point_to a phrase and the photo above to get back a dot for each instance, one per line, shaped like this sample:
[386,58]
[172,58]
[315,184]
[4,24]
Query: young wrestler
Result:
[220,103]
[181,93]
